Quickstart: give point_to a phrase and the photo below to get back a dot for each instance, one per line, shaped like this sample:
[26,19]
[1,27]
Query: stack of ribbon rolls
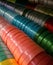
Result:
[25,51]
[32,29]
[37,17]
[27,31]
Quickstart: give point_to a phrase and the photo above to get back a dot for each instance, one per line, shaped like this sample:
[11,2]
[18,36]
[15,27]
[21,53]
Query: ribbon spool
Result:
[8,14]
[18,40]
[49,43]
[44,9]
[41,37]
[38,58]
[9,61]
[44,2]
[5,55]
[19,9]
[8,5]
[49,24]
[37,17]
